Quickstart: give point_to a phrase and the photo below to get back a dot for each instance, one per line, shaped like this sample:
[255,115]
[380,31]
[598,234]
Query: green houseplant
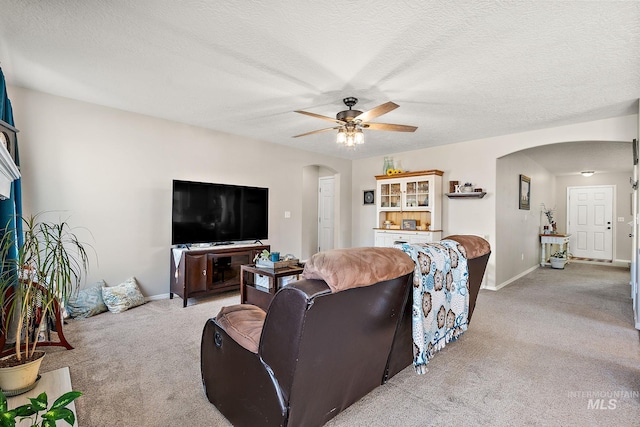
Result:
[558,259]
[48,267]
[31,410]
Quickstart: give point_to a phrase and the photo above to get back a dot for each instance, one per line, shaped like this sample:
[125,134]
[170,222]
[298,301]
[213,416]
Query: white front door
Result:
[590,221]
[325,213]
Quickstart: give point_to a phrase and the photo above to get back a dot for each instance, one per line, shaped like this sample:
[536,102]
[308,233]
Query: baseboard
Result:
[513,279]
[615,263]
[156,297]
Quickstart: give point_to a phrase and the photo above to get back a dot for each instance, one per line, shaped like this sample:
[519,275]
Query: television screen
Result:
[217,213]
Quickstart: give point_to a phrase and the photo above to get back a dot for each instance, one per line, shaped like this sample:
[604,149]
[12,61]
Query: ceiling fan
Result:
[352,122]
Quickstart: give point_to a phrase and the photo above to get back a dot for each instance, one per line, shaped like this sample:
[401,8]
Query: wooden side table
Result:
[258,295]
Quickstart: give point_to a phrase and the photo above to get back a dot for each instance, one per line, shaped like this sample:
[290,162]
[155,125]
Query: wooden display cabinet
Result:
[413,196]
[206,271]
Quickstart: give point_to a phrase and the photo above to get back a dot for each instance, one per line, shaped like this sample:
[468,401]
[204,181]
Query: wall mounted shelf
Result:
[474,195]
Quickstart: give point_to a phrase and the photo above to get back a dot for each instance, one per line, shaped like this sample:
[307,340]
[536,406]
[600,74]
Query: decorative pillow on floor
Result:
[123,297]
[87,302]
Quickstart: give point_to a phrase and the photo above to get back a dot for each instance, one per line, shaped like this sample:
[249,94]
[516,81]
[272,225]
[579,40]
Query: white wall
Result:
[111,172]
[519,228]
[475,161]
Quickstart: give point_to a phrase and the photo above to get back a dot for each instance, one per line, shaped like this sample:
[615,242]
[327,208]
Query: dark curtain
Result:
[11,208]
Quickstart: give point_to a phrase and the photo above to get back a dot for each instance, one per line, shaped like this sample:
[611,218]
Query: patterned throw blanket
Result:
[440,297]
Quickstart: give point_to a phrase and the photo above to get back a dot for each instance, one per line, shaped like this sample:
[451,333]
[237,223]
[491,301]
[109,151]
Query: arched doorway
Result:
[311,178]
[553,169]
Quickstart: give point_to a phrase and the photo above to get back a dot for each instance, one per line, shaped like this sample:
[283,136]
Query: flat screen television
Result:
[218,213]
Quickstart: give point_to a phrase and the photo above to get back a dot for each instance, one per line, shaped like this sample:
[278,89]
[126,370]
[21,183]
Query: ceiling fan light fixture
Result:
[350,139]
[352,122]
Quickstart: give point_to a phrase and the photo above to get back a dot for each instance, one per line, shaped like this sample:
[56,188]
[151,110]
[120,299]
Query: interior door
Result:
[590,214]
[325,213]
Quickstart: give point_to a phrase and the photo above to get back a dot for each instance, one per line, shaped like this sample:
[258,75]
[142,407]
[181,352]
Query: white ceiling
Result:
[460,70]
[570,158]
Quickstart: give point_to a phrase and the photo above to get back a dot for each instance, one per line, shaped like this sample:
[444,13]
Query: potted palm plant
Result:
[48,267]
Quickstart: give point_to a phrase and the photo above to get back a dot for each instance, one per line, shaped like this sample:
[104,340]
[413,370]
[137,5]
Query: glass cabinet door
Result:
[416,194]
[390,195]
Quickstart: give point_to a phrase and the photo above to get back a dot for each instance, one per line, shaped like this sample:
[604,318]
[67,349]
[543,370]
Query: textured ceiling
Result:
[570,158]
[460,70]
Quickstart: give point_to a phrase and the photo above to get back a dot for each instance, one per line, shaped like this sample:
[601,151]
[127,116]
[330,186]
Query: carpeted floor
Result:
[543,351]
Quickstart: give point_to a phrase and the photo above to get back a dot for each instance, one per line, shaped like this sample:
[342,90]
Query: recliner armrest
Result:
[243,323]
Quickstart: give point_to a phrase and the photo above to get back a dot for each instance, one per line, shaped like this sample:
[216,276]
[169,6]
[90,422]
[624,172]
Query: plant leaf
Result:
[40,402]
[3,402]
[25,411]
[60,414]
[8,419]
[69,416]
[65,399]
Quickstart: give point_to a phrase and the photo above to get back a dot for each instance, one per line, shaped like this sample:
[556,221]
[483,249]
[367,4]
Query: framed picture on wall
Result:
[525,192]
[369,197]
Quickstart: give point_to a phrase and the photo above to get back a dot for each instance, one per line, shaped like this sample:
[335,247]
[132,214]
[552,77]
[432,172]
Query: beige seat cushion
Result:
[243,323]
[355,267]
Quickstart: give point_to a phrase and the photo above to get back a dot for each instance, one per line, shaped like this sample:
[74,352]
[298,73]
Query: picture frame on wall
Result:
[525,192]
[368,197]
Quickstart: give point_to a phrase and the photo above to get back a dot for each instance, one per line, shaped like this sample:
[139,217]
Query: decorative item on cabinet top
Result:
[408,224]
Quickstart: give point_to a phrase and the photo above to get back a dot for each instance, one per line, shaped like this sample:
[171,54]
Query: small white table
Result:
[55,384]
[547,240]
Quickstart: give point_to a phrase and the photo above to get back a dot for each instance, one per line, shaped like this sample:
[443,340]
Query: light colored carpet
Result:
[536,352]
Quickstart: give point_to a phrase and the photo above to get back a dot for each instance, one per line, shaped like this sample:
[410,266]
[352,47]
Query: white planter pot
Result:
[21,376]
[557,262]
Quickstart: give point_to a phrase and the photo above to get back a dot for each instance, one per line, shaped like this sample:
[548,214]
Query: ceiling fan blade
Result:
[391,127]
[316,131]
[377,111]
[318,116]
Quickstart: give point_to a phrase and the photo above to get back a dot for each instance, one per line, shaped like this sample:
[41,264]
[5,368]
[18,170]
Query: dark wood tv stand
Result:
[205,271]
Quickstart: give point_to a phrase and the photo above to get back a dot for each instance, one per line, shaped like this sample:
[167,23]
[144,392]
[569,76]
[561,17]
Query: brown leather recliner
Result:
[321,346]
